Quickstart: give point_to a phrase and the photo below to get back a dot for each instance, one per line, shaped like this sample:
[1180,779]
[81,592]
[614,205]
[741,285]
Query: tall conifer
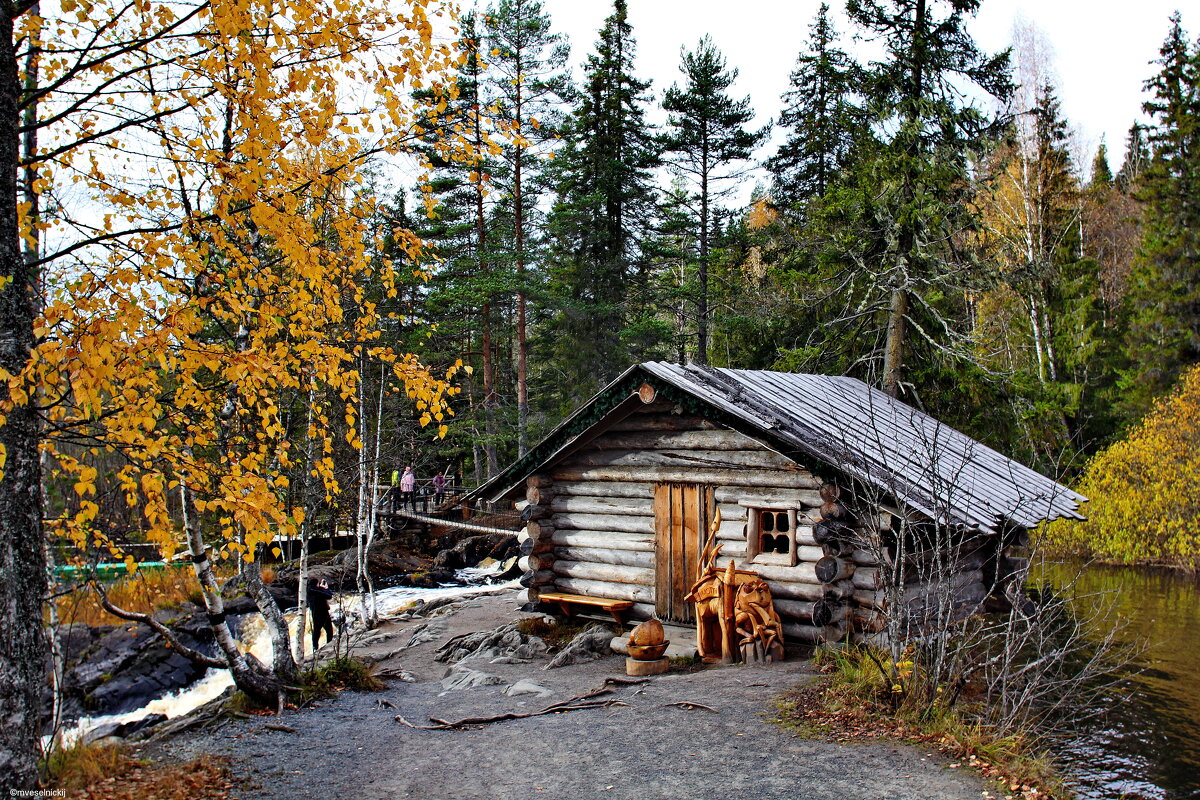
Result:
[604,182]
[1164,298]
[707,135]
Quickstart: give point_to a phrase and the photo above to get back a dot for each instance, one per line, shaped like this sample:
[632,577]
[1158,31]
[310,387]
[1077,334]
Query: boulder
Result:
[505,641]
[460,677]
[591,643]
[470,551]
[526,686]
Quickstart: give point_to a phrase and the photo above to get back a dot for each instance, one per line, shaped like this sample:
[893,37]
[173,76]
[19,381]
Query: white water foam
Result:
[253,638]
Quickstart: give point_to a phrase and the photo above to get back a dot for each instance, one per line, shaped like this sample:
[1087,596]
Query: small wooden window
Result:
[771,536]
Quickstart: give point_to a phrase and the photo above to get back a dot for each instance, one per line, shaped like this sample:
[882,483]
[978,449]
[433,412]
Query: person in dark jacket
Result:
[319,595]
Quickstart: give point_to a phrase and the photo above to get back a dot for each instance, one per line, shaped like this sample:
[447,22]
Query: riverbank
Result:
[686,734]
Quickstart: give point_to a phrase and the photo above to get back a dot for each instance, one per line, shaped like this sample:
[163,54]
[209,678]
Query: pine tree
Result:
[706,132]
[820,113]
[605,203]
[1164,300]
[528,79]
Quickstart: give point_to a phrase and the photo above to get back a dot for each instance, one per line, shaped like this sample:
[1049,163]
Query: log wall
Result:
[592,527]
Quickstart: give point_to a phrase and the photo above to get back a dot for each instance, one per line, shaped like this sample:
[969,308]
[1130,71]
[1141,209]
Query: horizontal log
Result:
[700,459]
[540,481]
[663,422]
[535,563]
[869,620]
[778,497]
[604,522]
[527,596]
[614,573]
[831,570]
[869,578]
[867,557]
[712,476]
[811,634]
[616,591]
[804,609]
[609,489]
[918,592]
[628,558]
[736,548]
[809,591]
[533,580]
[804,572]
[626,506]
[675,440]
[608,540]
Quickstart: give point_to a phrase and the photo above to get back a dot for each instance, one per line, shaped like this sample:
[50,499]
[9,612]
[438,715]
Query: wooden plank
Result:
[677,440]
[696,459]
[660,422]
[600,602]
[787,479]
[662,549]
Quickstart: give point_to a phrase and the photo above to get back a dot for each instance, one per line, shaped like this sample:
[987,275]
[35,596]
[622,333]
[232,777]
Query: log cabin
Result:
[857,509]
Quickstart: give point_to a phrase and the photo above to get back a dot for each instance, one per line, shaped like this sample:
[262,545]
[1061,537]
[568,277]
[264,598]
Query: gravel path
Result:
[352,748]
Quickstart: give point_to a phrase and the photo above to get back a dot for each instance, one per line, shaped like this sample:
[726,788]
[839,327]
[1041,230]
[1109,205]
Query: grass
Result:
[144,592]
[99,772]
[852,701]
[557,634]
[340,674]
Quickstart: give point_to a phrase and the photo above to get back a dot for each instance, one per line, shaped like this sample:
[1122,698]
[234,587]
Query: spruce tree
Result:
[1164,298]
[921,167]
[707,135]
[1101,177]
[604,207]
[820,115]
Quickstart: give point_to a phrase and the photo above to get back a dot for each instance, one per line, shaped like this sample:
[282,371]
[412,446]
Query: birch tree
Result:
[180,288]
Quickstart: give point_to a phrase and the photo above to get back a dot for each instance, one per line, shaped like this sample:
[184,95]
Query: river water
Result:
[1146,744]
[252,634]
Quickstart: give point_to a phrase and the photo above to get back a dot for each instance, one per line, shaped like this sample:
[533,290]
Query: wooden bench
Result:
[566,601]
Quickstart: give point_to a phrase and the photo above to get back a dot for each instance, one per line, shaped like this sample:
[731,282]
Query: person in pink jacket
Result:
[408,485]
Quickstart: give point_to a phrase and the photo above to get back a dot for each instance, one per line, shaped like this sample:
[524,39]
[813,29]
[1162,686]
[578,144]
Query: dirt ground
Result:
[352,747]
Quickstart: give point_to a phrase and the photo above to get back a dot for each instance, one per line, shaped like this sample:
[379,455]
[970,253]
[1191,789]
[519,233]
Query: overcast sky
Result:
[1102,48]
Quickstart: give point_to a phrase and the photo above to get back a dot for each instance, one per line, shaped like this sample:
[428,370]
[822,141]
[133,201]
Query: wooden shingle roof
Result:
[847,426]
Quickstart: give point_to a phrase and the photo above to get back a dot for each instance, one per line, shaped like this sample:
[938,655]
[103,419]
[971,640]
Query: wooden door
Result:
[680,525]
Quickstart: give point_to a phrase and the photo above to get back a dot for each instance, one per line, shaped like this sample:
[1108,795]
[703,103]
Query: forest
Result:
[253,259]
[957,248]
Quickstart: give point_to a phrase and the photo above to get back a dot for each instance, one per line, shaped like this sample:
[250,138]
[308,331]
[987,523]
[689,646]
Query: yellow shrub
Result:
[1144,490]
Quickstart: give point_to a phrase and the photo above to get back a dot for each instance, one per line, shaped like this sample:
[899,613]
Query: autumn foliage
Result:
[1144,490]
[213,280]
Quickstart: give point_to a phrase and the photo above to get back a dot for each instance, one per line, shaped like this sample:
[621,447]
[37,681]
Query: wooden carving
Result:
[759,631]
[735,617]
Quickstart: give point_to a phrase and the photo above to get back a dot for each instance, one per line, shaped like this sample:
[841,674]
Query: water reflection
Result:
[1147,743]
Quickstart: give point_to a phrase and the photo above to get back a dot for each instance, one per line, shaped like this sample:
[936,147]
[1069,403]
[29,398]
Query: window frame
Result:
[753,534]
